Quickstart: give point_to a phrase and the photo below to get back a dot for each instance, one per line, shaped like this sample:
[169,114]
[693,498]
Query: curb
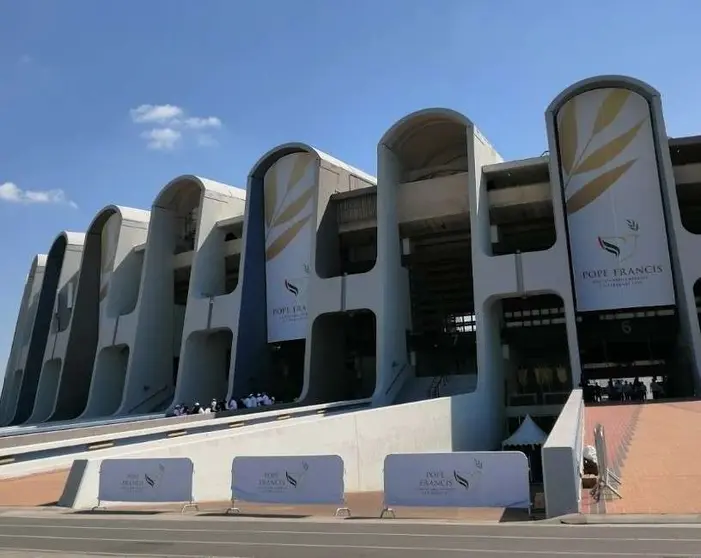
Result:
[631,519]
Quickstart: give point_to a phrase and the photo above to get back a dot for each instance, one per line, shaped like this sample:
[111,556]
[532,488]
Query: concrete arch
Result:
[683,283]
[425,144]
[252,341]
[600,82]
[253,350]
[84,334]
[38,391]
[424,117]
[276,153]
[182,216]
[176,187]
[112,268]
[20,343]
[429,138]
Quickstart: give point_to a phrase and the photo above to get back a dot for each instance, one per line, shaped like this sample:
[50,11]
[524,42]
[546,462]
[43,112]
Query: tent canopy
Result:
[528,434]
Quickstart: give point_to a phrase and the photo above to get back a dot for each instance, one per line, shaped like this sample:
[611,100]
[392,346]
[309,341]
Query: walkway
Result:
[654,448]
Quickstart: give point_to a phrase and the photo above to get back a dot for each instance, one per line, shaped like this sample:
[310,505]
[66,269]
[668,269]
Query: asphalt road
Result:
[237,537]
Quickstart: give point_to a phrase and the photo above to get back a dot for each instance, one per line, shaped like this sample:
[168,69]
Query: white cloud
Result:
[162,139]
[174,125]
[146,114]
[11,193]
[199,123]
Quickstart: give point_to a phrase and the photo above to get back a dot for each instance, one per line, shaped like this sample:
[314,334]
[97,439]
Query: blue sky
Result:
[237,77]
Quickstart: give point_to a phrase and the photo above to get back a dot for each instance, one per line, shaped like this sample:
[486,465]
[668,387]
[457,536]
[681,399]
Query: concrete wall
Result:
[88,324]
[122,232]
[43,324]
[20,343]
[363,439]
[209,312]
[329,293]
[563,459]
[61,324]
[159,331]
[394,304]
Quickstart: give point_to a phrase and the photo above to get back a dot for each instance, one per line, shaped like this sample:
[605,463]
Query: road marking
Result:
[340,533]
[355,547]
[98,554]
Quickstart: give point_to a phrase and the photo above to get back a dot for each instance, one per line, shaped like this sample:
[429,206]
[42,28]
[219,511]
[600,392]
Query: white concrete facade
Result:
[183,234]
[114,259]
[20,343]
[157,346]
[66,252]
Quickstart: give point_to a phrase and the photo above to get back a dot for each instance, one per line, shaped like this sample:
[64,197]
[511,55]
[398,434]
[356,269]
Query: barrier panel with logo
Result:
[298,480]
[160,480]
[491,479]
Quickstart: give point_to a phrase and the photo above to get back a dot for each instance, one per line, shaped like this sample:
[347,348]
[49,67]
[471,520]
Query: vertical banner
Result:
[108,251]
[481,479]
[289,190]
[304,479]
[613,198]
[146,480]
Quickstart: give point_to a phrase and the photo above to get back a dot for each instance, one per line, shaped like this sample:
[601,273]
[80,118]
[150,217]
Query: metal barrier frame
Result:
[185,505]
[607,481]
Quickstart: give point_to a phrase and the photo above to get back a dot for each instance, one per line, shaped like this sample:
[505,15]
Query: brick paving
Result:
[661,474]
[41,489]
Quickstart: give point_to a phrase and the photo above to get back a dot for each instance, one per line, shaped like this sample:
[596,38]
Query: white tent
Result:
[528,434]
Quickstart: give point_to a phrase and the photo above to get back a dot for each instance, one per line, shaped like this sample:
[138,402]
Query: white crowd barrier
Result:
[298,480]
[160,480]
[498,479]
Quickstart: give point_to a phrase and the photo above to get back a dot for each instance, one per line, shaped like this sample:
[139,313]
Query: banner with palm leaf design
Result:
[613,201]
[289,190]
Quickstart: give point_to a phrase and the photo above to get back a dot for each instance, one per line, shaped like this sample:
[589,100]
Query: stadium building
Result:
[454,273]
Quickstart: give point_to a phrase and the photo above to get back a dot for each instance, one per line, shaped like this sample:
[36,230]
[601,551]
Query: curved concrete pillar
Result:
[212,316]
[116,240]
[20,343]
[434,137]
[105,249]
[50,337]
[160,325]
[285,248]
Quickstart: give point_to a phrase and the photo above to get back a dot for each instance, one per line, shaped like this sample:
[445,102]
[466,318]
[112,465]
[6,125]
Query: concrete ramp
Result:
[653,447]
[362,438]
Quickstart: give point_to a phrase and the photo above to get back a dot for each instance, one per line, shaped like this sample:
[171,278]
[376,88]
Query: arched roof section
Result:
[428,137]
[128,214]
[38,261]
[170,193]
[70,239]
[276,153]
[601,82]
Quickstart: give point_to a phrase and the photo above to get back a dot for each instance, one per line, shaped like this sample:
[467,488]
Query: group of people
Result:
[617,390]
[216,406]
